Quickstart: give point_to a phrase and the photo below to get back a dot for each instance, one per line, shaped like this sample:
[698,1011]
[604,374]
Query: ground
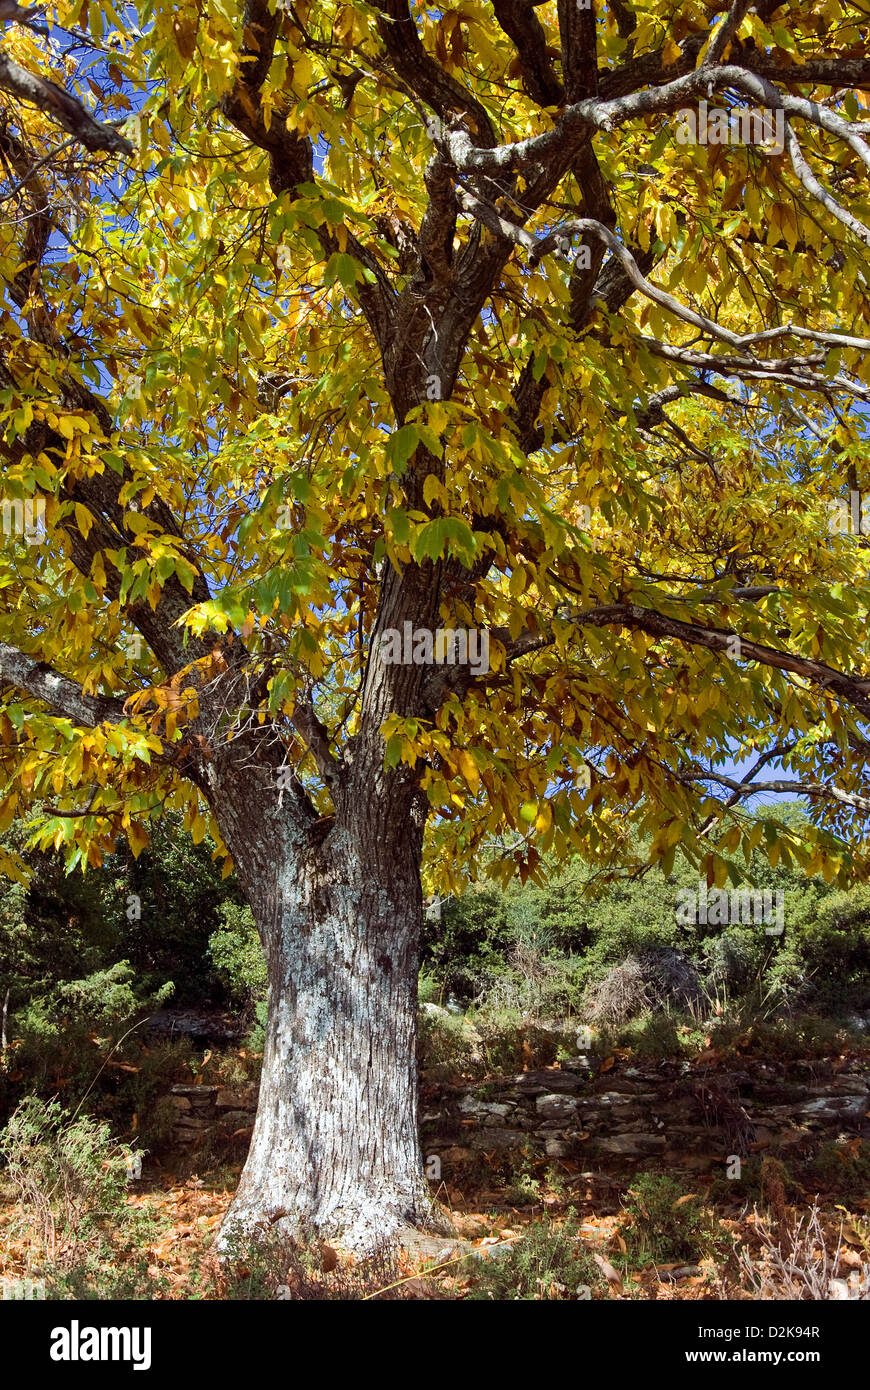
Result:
[603,1176]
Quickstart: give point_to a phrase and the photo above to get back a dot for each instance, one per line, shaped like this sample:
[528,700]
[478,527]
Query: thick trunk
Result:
[335,1149]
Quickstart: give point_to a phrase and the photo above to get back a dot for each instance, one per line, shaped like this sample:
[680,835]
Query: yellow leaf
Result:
[468,768]
[138,837]
[84,520]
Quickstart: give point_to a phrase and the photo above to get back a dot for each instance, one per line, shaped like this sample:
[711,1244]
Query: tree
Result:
[402,320]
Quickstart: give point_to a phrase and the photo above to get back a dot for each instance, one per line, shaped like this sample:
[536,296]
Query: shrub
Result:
[238,955]
[277,1268]
[735,960]
[69,1176]
[66,1032]
[94,1277]
[653,978]
[651,1036]
[801,1264]
[663,1223]
[548,1262]
[465,947]
[842,1167]
[446,1043]
[536,985]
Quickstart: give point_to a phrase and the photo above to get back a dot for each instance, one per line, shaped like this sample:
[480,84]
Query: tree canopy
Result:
[319,320]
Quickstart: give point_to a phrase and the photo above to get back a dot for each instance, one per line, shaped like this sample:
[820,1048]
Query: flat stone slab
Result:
[630,1145]
[504,1138]
[536,1083]
[560,1108]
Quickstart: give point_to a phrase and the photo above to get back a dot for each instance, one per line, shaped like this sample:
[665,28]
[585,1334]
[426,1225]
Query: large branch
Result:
[575,124]
[577,34]
[524,29]
[781,786]
[64,696]
[726,31]
[62,107]
[854,689]
[424,76]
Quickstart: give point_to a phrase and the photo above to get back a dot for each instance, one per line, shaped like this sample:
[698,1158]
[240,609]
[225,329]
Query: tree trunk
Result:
[335,1149]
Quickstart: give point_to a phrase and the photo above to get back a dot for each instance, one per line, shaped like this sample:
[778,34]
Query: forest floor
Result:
[608,1177]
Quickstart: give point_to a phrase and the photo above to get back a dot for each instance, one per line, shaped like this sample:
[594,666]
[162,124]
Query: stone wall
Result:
[672,1111]
[202,1110]
[604,1113]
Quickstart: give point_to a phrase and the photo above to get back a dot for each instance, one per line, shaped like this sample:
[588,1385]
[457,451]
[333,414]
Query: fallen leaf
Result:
[607,1270]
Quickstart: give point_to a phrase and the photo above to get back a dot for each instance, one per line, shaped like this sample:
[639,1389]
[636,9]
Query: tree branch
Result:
[62,107]
[64,696]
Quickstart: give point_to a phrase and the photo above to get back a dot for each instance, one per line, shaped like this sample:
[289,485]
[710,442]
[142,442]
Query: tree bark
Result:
[335,1150]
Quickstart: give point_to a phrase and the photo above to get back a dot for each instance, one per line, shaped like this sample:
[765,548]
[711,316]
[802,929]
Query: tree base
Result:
[368,1227]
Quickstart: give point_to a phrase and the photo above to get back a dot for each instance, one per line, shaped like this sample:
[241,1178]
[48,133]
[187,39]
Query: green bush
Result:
[548,1262]
[83,956]
[69,1177]
[841,1168]
[66,1033]
[664,1224]
[237,954]
[446,1045]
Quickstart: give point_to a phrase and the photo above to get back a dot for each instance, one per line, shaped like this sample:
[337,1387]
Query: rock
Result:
[847,1086]
[556,1148]
[180,1102]
[556,1107]
[434,1011]
[237,1119]
[536,1083]
[202,1095]
[611,1098]
[200,1027]
[582,1064]
[616,1085]
[630,1145]
[843,1107]
[482,1109]
[673,1276]
[499,1139]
